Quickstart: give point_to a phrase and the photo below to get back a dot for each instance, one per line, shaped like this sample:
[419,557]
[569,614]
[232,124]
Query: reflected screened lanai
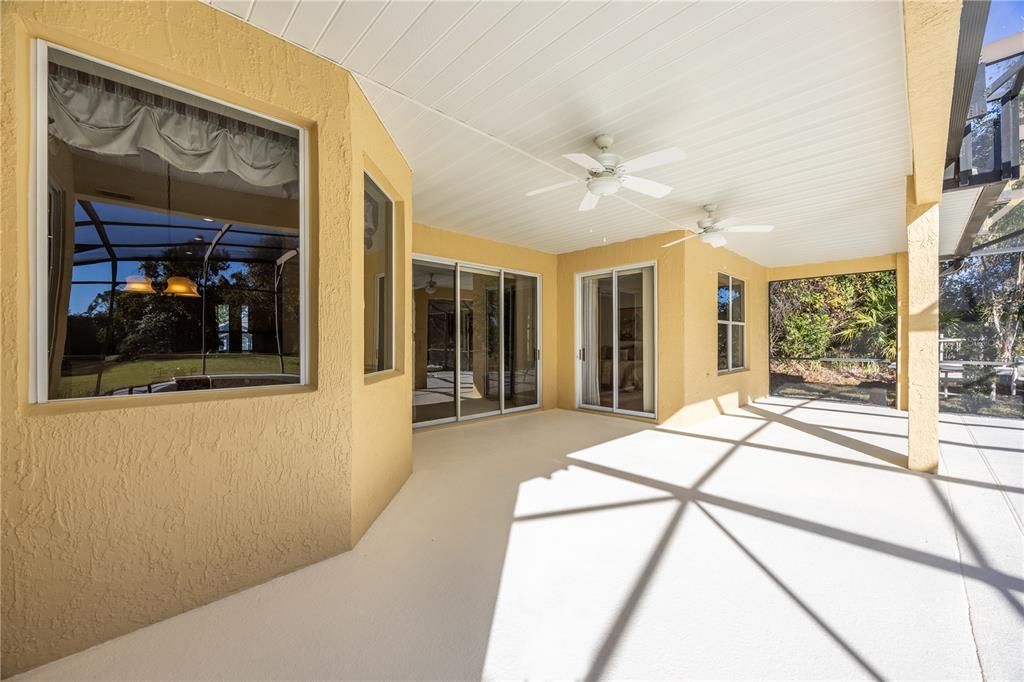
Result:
[165,273]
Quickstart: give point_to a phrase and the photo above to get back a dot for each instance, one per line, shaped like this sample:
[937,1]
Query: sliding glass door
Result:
[597,335]
[616,336]
[476,341]
[521,358]
[479,390]
[433,349]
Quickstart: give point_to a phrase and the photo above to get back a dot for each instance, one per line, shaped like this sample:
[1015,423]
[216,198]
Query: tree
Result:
[871,326]
[839,316]
[983,303]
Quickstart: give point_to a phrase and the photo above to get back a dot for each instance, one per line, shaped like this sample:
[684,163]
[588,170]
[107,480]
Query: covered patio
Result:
[560,544]
[385,378]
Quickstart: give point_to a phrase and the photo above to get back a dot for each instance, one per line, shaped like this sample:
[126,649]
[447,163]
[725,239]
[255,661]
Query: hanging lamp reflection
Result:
[139,284]
[181,286]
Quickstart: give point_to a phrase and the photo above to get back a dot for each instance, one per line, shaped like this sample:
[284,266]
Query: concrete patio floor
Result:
[782,541]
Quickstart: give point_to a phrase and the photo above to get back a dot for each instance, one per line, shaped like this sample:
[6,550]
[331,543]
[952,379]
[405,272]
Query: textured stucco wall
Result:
[922,339]
[382,402]
[706,392]
[431,241]
[689,385]
[119,513]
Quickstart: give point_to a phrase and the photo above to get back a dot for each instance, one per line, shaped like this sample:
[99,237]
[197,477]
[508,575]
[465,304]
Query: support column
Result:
[922,345]
[902,331]
[931,36]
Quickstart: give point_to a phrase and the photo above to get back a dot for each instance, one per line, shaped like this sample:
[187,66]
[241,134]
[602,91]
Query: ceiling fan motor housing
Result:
[603,183]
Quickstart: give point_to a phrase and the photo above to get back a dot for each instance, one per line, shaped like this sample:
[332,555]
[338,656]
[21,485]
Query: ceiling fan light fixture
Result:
[607,173]
[603,185]
[714,239]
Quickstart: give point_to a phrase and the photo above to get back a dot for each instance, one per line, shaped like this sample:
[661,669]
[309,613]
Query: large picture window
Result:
[171,238]
[732,329]
[378,279]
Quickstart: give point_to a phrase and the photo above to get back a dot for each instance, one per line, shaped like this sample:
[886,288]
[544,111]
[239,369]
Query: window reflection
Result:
[378,279]
[173,233]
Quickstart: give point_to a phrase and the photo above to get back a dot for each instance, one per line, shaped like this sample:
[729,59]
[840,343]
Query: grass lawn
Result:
[116,375]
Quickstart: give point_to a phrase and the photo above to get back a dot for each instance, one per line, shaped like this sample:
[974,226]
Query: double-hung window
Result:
[732,330]
[169,239]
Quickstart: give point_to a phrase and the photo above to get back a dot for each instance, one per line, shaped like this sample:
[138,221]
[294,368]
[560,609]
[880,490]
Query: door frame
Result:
[577,321]
[457,265]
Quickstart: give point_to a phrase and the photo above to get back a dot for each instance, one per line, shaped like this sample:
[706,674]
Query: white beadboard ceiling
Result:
[793,114]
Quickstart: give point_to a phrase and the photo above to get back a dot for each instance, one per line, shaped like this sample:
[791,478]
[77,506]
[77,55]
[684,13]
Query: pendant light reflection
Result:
[176,286]
[181,286]
[139,284]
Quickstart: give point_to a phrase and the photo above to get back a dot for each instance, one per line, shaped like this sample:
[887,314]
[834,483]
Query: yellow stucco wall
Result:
[689,385]
[706,392]
[118,513]
[669,313]
[836,267]
[381,403]
[431,241]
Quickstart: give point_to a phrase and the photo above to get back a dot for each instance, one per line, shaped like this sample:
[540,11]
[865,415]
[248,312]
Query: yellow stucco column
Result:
[921,323]
[931,30]
[902,331]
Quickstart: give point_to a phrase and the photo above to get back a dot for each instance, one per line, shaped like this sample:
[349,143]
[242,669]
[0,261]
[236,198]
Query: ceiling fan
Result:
[607,172]
[712,231]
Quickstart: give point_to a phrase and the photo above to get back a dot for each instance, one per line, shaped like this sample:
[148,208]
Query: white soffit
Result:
[793,114]
[954,212]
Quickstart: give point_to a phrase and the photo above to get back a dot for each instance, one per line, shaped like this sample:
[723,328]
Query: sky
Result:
[1005,17]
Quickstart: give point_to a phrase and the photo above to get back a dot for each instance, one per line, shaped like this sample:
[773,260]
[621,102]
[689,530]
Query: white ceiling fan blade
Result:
[727,222]
[644,186]
[589,201]
[746,228]
[679,241]
[653,160]
[535,192]
[714,239]
[585,160]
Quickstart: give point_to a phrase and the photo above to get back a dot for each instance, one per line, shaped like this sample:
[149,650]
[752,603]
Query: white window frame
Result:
[39,282]
[729,324]
[394,293]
